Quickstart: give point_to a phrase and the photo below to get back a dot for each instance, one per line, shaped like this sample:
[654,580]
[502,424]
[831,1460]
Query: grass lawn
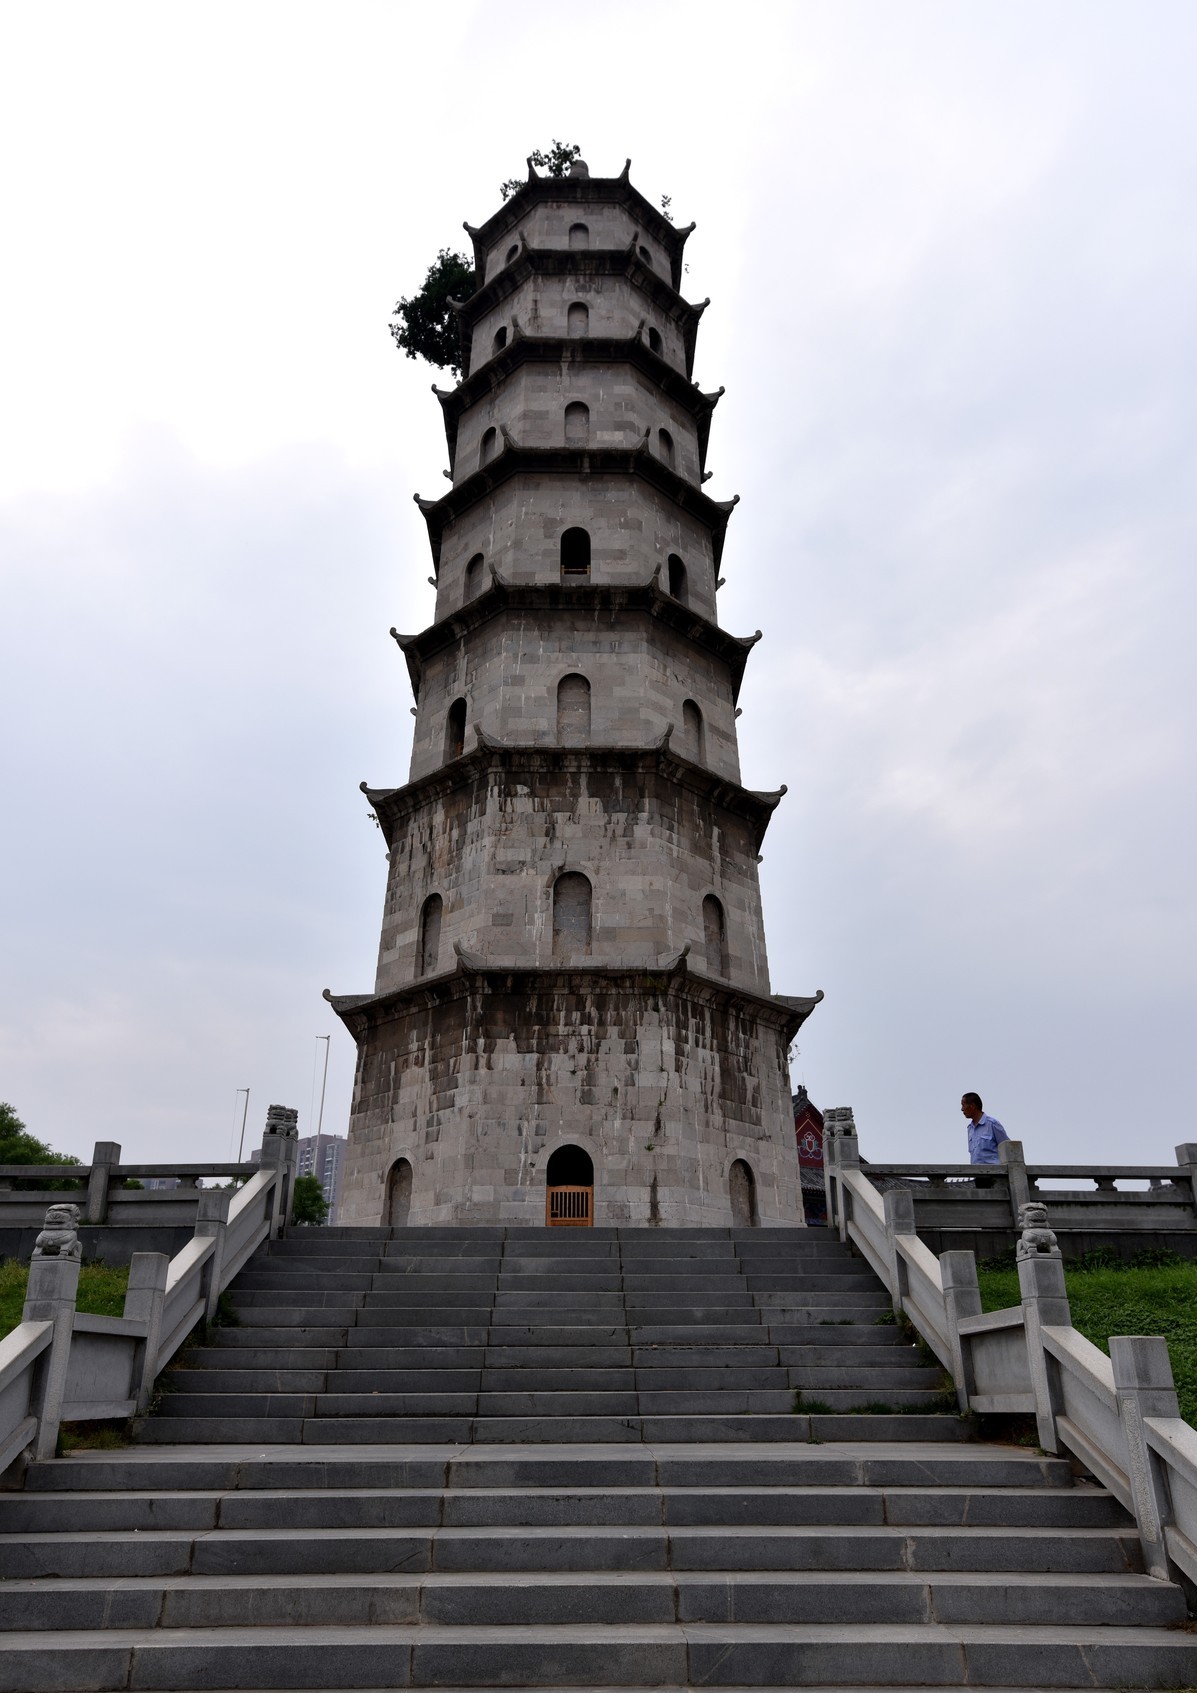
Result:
[101,1291]
[1106,1300]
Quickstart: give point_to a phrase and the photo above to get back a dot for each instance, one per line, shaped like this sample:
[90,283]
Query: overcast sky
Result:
[952,257]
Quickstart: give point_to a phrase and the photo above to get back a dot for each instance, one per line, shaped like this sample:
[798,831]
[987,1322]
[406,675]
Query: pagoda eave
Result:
[515,460]
[554,261]
[589,349]
[646,597]
[582,191]
[528,760]
[362,1012]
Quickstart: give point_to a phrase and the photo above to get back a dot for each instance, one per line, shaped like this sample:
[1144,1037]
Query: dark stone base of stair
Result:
[465,1335]
[477,1459]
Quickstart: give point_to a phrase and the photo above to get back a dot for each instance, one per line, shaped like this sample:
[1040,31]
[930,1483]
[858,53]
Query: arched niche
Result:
[430,935]
[693,744]
[741,1187]
[572,908]
[714,934]
[577,424]
[573,711]
[678,581]
[577,319]
[455,728]
[473,578]
[398,1195]
[579,236]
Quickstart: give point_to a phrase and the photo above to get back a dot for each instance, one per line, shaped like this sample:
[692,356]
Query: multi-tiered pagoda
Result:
[572,1019]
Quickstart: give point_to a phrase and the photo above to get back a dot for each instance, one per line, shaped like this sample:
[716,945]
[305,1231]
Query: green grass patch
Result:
[1107,1298]
[101,1291]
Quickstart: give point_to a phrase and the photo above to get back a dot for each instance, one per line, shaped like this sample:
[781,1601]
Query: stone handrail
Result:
[63,1365]
[103,1181]
[1118,1415]
[966,1201]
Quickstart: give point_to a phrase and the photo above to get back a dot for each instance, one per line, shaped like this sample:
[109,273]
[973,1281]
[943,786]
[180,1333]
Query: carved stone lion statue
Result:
[58,1238]
[1037,1236]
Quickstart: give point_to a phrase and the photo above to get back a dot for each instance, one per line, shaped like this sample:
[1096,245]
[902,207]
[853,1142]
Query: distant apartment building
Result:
[322,1156]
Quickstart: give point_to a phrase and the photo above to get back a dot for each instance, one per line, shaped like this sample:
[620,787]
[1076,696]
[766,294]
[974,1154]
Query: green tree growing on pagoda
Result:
[425,326]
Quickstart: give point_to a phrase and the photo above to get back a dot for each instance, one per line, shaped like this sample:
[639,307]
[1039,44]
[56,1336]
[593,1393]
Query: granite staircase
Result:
[482,1459]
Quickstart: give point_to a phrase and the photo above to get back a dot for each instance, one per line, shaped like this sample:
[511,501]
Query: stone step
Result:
[860,1426]
[598,1655]
[723,1547]
[302,1601]
[471,1507]
[792,1465]
[691,1378]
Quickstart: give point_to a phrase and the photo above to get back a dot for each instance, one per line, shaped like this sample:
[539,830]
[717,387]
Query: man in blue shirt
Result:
[985,1134]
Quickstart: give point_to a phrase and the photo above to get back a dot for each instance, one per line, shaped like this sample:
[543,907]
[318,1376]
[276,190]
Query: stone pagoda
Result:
[571,1021]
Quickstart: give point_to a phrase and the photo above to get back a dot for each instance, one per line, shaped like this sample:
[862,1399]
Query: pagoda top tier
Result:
[580,189]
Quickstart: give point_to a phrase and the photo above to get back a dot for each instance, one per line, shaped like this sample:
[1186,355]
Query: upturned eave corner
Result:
[582,190]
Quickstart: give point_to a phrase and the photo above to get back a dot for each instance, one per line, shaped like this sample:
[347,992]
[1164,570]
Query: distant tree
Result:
[18,1146]
[308,1204]
[424,326]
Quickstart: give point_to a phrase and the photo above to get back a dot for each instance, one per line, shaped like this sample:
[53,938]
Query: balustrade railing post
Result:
[1015,1165]
[212,1216]
[1144,1385]
[144,1300]
[1044,1305]
[899,1219]
[1186,1158]
[279,1152]
[847,1157]
[107,1154]
[50,1298]
[962,1298]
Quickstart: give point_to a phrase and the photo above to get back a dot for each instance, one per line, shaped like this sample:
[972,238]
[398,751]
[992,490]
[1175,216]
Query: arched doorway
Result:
[742,1187]
[569,1189]
[398,1194]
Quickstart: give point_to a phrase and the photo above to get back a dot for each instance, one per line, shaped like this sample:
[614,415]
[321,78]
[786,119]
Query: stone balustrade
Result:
[64,1365]
[1118,1415]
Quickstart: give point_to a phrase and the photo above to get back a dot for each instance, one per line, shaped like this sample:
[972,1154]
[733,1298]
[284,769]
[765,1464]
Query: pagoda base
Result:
[467,1083]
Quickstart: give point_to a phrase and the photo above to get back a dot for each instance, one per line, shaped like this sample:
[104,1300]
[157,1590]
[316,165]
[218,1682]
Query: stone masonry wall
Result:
[493,846]
[640,672]
[661,1086]
[621,401]
[518,529]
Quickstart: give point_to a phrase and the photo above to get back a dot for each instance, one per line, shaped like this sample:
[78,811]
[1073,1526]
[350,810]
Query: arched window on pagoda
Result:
[577,319]
[573,711]
[714,932]
[693,733]
[455,727]
[430,934]
[473,578]
[654,341]
[489,445]
[677,580]
[579,236]
[572,897]
[665,447]
[575,555]
[500,340]
[577,424]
